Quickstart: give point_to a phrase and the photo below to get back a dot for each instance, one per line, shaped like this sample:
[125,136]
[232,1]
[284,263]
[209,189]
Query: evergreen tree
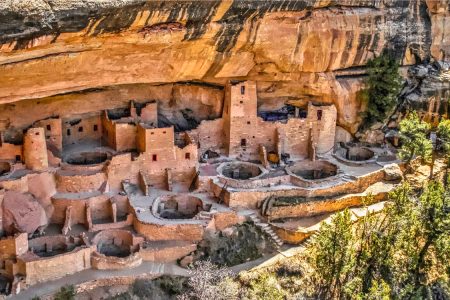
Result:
[443,133]
[413,134]
[401,253]
[383,85]
[332,256]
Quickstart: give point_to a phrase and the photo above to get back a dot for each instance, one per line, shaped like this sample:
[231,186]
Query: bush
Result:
[66,293]
[163,287]
[265,287]
[210,282]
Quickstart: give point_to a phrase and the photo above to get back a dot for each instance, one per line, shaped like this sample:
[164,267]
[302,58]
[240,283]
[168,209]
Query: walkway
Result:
[146,268]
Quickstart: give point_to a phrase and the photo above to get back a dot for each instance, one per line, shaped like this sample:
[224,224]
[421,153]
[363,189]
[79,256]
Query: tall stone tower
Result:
[35,149]
[240,117]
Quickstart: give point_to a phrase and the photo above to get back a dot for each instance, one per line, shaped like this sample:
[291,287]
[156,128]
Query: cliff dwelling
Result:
[103,187]
[140,139]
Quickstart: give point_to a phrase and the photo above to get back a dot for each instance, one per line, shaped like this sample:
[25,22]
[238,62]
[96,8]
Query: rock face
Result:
[22,213]
[297,50]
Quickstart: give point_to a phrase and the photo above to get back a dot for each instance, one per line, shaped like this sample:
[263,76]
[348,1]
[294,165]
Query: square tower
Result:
[240,117]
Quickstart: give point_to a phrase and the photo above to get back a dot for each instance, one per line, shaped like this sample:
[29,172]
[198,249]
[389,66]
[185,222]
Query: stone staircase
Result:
[265,227]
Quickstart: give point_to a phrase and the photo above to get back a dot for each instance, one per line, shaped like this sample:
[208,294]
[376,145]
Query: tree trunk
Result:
[421,260]
[433,158]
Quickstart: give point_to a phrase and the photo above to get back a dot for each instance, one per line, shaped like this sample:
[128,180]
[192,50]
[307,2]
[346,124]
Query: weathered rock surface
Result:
[392,172]
[22,213]
[298,50]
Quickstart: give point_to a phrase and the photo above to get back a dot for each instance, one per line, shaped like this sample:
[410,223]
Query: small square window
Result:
[164,132]
[152,132]
[49,128]
[37,133]
[248,122]
[154,157]
[187,156]
[18,158]
[80,129]
[241,102]
[95,127]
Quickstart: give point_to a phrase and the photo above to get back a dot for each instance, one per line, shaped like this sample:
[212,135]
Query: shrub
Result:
[265,287]
[66,293]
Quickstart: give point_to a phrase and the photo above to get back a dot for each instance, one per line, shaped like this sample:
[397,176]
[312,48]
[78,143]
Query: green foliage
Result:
[400,253]
[248,243]
[383,86]
[413,134]
[65,293]
[332,255]
[265,287]
[444,134]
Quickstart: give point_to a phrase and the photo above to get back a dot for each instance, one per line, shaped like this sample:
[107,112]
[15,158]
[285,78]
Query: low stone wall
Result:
[43,269]
[12,246]
[317,207]
[110,281]
[168,253]
[254,183]
[100,209]
[224,220]
[102,262]
[116,225]
[165,232]
[68,182]
[253,199]
[291,236]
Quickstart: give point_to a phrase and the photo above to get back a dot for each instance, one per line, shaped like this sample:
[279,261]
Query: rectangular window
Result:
[187,156]
[49,128]
[18,158]
[319,114]
[68,132]
[243,142]
[95,127]
[242,90]
[154,157]
[80,129]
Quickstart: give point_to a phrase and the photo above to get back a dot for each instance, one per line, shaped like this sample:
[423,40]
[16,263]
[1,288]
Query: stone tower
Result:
[35,149]
[240,117]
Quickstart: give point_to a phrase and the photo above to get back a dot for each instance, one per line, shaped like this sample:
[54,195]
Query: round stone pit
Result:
[87,158]
[176,207]
[240,170]
[313,170]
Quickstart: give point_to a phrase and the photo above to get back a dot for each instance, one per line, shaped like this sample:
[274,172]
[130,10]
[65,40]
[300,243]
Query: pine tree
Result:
[413,134]
[383,85]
